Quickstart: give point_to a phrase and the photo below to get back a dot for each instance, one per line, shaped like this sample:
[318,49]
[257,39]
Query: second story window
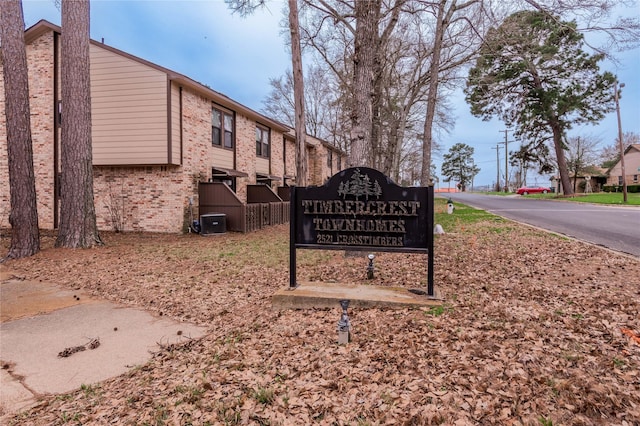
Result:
[221,128]
[262,141]
[329,158]
[339,163]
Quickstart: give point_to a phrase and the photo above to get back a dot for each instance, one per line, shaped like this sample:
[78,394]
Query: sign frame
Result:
[361,209]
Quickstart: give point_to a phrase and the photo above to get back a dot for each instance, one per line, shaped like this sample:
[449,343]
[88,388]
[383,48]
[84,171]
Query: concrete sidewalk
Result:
[40,320]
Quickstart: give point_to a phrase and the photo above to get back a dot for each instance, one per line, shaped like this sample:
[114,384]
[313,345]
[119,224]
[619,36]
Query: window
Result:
[339,163]
[329,158]
[262,141]
[619,180]
[221,128]
[263,179]
[229,181]
[635,178]
[216,126]
[228,131]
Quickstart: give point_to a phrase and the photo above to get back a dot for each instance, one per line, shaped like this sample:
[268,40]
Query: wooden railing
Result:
[219,198]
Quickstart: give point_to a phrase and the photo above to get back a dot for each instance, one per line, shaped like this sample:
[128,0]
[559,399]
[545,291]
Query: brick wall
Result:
[126,198]
[314,166]
[631,168]
[151,199]
[156,199]
[245,154]
[291,159]
[40,63]
[196,138]
[277,159]
[136,198]
[40,60]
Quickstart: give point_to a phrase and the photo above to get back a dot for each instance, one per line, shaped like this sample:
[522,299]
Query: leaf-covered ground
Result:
[535,330]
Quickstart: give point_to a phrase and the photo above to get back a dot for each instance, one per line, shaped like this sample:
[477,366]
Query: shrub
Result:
[635,188]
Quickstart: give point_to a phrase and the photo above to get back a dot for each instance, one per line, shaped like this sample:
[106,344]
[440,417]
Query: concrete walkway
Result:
[40,320]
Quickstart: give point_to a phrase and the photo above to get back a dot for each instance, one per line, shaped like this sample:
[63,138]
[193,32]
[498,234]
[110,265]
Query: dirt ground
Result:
[535,329]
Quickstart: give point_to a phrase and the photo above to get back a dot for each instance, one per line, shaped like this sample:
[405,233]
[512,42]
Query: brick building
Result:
[156,135]
[631,168]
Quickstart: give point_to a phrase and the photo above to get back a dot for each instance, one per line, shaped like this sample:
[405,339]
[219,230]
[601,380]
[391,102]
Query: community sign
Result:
[362,209]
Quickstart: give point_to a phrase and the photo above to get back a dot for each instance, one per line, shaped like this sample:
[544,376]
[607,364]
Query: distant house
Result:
[157,136]
[590,179]
[631,168]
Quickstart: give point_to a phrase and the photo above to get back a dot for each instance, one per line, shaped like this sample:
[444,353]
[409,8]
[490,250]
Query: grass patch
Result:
[264,396]
[614,198]
[547,196]
[64,397]
[544,421]
[313,257]
[191,394]
[462,216]
[619,363]
[69,417]
[90,390]
[495,193]
[436,311]
[229,415]
[236,251]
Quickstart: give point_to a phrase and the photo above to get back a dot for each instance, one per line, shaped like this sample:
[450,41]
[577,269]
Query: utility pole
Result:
[497,148]
[616,96]
[506,159]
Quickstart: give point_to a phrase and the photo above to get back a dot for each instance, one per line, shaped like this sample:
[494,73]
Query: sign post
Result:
[362,209]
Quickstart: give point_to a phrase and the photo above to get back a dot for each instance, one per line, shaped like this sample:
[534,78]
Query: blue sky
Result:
[237,56]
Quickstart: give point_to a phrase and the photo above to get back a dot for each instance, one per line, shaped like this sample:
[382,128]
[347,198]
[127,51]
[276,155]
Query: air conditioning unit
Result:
[213,223]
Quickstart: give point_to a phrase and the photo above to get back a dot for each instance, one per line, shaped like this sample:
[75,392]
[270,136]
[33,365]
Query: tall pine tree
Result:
[25,237]
[458,165]
[533,74]
[77,210]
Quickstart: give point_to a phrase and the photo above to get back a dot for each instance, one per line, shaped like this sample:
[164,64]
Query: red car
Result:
[526,190]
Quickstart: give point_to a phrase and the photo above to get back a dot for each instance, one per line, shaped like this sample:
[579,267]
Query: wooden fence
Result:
[261,215]
[264,208]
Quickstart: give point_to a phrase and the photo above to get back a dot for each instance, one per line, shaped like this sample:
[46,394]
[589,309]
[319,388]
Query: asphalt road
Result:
[614,227]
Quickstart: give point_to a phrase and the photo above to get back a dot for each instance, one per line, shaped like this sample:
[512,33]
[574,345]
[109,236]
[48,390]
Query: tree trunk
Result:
[391,149]
[577,165]
[25,237]
[362,103]
[377,151]
[562,162]
[391,157]
[298,94]
[77,210]
[398,145]
[432,97]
